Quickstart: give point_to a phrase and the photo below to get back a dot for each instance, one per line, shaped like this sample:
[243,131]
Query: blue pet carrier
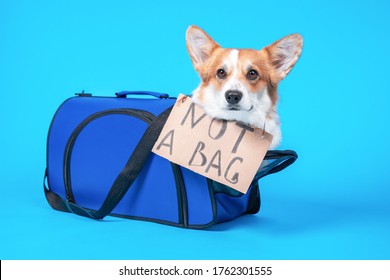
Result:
[99,163]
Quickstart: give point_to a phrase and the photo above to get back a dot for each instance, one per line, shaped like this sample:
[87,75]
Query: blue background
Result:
[333,203]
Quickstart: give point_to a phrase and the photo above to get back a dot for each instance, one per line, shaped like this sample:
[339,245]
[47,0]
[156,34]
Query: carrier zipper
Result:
[140,114]
[181,195]
[83,94]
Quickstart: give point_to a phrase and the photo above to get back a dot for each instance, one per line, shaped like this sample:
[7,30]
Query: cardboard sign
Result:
[225,151]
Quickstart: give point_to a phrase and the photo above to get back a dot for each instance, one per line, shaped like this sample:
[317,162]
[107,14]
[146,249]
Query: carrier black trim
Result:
[140,114]
[144,116]
[278,160]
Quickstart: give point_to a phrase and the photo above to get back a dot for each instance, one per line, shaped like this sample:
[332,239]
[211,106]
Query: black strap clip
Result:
[83,94]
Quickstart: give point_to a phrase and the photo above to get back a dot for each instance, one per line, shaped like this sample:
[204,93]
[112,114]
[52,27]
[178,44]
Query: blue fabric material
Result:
[100,151]
[199,200]
[230,206]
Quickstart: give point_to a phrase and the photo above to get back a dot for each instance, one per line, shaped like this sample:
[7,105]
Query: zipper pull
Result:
[83,94]
[69,198]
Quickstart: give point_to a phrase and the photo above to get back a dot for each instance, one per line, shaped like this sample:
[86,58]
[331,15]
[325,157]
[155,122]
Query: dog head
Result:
[240,84]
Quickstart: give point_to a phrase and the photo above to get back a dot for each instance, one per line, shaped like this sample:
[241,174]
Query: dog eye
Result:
[221,73]
[252,75]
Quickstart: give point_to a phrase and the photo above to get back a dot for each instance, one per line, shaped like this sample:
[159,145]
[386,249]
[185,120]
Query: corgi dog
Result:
[242,84]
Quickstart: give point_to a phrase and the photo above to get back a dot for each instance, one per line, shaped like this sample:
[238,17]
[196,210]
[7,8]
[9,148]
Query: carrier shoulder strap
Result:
[124,179]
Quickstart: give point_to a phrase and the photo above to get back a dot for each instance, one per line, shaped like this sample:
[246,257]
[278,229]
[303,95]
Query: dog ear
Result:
[284,53]
[200,45]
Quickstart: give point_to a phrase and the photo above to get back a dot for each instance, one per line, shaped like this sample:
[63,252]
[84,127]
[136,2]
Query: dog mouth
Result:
[238,108]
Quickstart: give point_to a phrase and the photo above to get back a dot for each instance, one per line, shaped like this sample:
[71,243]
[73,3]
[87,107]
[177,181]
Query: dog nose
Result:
[233,96]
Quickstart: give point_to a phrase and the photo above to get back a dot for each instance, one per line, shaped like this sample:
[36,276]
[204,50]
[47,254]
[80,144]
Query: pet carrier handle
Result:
[127,175]
[124,93]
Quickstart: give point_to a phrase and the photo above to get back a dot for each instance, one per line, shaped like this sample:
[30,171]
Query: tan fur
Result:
[272,64]
[248,59]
